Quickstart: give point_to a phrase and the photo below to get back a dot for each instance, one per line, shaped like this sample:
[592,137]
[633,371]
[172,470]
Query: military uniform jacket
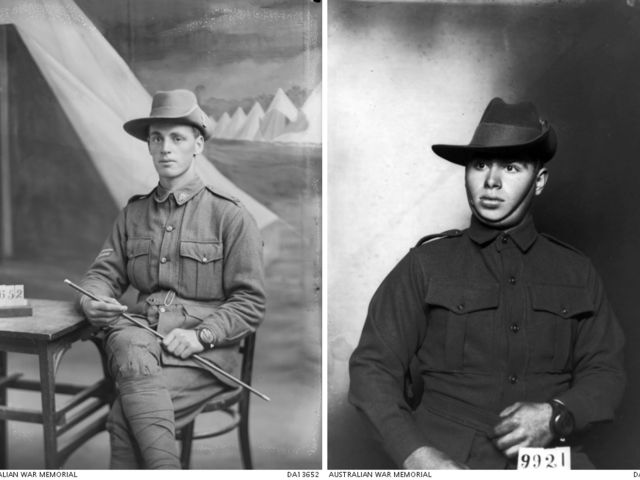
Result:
[490,319]
[195,256]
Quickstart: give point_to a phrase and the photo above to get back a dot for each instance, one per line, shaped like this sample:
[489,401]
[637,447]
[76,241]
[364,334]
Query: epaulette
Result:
[561,243]
[138,197]
[226,196]
[448,233]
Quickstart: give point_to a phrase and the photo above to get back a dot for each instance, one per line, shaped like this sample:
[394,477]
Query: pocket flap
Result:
[203,252]
[138,246]
[462,298]
[563,300]
[201,313]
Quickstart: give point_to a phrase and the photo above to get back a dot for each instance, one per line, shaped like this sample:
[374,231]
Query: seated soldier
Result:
[510,330]
[195,256]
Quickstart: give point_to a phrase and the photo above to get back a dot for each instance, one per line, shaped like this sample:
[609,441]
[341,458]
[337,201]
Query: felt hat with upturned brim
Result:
[179,106]
[505,131]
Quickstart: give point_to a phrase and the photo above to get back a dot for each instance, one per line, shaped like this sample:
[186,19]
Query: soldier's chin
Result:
[492,218]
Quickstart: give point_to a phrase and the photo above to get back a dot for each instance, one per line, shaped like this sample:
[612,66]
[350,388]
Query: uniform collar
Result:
[524,235]
[183,194]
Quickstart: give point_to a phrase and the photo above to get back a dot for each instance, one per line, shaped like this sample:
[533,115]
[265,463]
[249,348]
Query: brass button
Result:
[162,309]
[169,228]
[512,280]
[163,260]
[515,328]
[513,379]
[204,259]
[505,238]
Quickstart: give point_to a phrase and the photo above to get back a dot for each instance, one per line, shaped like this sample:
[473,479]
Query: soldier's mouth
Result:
[490,201]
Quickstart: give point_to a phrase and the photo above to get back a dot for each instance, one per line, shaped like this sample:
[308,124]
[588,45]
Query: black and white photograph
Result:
[161,213]
[482,262]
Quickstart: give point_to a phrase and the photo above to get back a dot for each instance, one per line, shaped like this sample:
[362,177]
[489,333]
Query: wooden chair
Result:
[235,403]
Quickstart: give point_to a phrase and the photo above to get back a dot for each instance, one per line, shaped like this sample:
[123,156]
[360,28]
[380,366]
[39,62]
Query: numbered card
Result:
[12,295]
[558,458]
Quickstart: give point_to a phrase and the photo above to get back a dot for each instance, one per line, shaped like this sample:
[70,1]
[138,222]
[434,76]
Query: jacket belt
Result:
[460,412]
[168,298]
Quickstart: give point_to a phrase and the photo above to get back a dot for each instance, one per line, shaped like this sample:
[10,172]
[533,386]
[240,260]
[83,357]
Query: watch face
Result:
[205,336]
[564,424]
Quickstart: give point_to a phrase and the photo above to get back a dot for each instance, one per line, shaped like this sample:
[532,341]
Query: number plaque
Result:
[13,303]
[558,458]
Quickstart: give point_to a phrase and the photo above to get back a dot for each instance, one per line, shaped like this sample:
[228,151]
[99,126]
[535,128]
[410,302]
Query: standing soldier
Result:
[509,330]
[195,256]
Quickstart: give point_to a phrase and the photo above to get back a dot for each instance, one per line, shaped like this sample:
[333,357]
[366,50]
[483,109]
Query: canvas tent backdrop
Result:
[404,76]
[282,122]
[98,93]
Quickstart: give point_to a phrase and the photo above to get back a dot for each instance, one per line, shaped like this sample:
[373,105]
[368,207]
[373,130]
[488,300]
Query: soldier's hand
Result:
[101,313]
[429,458]
[182,343]
[523,425]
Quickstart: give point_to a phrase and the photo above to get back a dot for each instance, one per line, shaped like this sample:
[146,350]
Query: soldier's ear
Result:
[199,144]
[541,179]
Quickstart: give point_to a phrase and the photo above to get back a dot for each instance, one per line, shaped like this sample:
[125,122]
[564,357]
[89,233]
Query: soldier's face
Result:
[172,148]
[500,191]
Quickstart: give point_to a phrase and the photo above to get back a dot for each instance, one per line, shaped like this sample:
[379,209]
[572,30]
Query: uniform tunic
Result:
[195,256]
[488,319]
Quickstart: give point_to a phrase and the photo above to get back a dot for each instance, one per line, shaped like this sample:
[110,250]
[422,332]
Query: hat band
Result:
[171,112]
[501,135]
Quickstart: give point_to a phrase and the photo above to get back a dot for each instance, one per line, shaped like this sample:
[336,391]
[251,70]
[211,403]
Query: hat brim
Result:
[542,147]
[139,127]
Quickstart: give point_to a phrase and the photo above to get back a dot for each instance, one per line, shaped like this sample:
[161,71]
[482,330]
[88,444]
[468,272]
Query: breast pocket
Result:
[138,268]
[556,311]
[201,269]
[460,321]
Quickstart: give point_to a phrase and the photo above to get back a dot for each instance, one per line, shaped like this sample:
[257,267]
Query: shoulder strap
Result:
[226,196]
[138,197]
[448,233]
[561,243]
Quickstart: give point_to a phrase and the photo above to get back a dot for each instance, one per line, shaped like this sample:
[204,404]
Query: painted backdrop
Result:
[75,71]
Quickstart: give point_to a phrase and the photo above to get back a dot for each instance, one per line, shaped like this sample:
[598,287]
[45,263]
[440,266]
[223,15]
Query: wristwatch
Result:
[562,423]
[205,337]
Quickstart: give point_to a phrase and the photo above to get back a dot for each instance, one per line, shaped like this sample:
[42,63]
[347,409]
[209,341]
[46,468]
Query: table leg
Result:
[47,380]
[3,424]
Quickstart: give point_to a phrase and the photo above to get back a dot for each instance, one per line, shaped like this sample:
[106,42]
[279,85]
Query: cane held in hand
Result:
[201,360]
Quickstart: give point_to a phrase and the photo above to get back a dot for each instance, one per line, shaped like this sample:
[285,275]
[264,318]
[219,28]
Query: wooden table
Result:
[49,333]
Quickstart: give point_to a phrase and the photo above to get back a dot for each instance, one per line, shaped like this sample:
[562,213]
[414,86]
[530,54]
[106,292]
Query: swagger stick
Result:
[203,361]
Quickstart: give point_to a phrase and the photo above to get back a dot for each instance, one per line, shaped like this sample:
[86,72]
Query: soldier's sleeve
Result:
[243,277]
[107,275]
[598,374]
[393,331]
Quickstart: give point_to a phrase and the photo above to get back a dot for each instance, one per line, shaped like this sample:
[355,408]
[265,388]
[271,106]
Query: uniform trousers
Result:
[152,400]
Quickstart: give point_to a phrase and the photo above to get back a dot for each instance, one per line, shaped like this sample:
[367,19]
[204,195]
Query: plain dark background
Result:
[590,91]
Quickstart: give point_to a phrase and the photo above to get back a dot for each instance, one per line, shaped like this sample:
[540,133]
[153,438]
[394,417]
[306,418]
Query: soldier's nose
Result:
[492,179]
